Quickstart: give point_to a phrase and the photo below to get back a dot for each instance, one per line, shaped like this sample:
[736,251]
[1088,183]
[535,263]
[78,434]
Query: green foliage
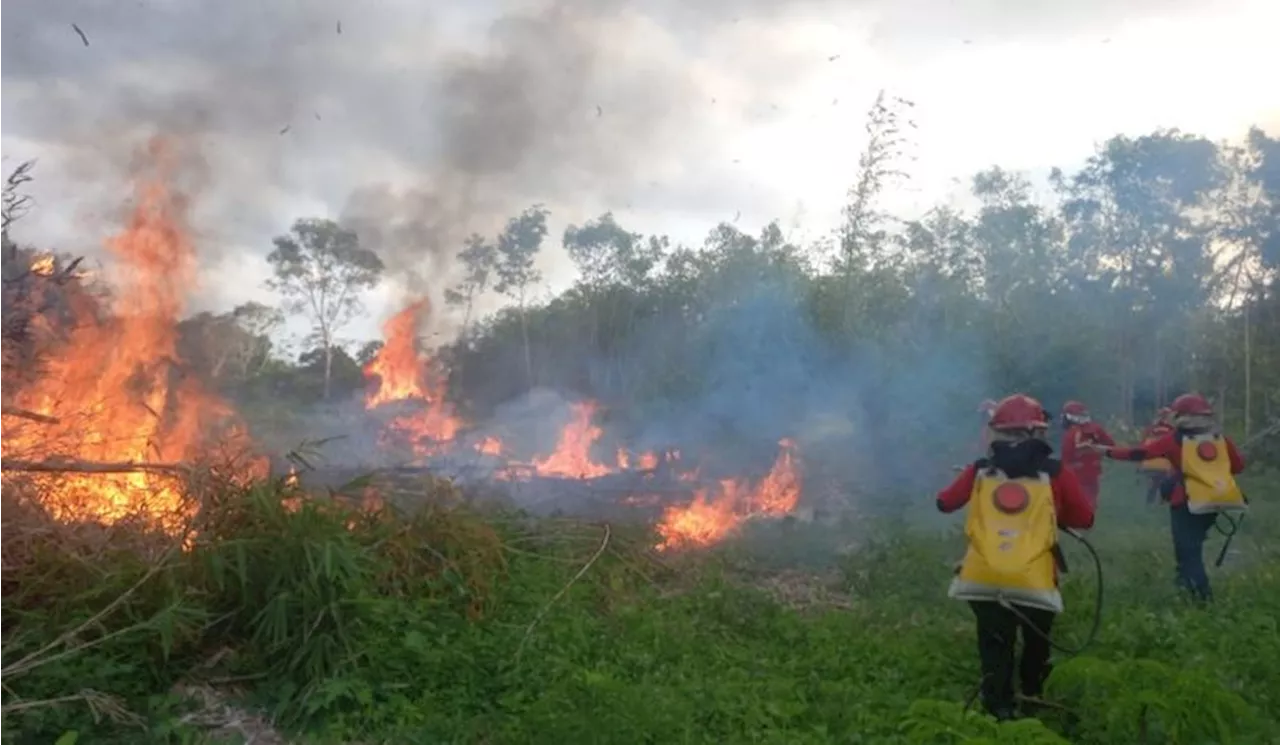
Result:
[948,723]
[446,625]
[1143,701]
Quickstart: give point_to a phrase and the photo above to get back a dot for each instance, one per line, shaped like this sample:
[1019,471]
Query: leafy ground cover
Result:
[326,624]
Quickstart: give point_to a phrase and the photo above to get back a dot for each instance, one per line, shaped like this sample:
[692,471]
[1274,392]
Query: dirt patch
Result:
[802,590]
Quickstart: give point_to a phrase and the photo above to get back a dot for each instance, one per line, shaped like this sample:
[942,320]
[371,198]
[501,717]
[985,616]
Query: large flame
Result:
[716,513]
[572,456]
[113,391]
[403,373]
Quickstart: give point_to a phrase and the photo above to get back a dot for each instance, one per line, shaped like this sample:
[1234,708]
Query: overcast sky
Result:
[434,120]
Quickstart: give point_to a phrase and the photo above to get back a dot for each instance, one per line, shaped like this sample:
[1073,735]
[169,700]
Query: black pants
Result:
[1189,533]
[997,640]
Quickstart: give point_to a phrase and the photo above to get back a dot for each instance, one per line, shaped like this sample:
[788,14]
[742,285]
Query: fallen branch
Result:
[31,415]
[85,466]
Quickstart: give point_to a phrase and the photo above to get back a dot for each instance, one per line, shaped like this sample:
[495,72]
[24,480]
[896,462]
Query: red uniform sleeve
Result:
[1073,509]
[1069,438]
[1102,436]
[1237,460]
[1164,446]
[957,494]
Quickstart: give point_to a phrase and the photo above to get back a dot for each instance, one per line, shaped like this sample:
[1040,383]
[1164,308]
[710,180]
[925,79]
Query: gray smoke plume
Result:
[423,125]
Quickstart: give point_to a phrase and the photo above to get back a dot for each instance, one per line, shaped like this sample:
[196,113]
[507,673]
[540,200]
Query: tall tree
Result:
[230,346]
[320,270]
[605,252]
[864,230]
[517,249]
[1137,211]
[478,258]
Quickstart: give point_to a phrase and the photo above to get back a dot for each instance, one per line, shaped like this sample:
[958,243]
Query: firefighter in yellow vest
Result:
[1202,485]
[1017,496]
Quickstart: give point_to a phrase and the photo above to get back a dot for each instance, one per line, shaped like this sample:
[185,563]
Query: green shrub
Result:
[348,623]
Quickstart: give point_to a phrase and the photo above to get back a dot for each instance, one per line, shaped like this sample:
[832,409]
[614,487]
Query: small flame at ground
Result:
[716,513]
[489,446]
[43,266]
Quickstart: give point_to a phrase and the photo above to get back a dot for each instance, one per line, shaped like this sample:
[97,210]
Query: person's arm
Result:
[1237,460]
[956,495]
[1073,509]
[1103,437]
[1164,447]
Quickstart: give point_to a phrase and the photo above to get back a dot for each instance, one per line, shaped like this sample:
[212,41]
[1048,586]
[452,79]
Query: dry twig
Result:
[30,415]
[37,658]
[604,543]
[100,705]
[68,465]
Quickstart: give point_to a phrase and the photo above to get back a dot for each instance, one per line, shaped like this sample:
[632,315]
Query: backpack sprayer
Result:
[1236,523]
[1097,600]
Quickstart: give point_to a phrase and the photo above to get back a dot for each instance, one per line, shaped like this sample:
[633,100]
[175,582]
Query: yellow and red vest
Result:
[1012,530]
[1207,478]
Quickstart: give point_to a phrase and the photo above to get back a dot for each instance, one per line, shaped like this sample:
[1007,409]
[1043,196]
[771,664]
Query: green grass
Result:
[449,627]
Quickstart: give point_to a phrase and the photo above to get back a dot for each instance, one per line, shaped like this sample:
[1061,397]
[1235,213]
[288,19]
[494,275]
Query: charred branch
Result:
[59,465]
[28,415]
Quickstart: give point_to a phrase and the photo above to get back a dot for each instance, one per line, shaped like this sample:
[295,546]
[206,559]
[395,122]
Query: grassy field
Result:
[450,627]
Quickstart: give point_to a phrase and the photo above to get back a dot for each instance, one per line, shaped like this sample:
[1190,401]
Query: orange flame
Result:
[572,456]
[113,389]
[714,515]
[403,374]
[43,266]
[490,446]
[643,462]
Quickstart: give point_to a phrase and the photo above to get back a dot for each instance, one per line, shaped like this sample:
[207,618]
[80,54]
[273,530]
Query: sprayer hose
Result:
[1097,605]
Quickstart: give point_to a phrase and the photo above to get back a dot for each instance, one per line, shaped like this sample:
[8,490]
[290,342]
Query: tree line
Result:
[1151,270]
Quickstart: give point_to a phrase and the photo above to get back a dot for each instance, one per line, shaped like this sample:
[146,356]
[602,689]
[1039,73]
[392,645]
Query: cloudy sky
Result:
[434,120]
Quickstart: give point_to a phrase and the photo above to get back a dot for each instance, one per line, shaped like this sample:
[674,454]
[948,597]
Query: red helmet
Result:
[1074,408]
[1019,411]
[1191,404]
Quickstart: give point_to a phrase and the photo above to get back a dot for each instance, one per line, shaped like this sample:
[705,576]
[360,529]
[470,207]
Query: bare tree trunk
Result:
[1248,373]
[524,332]
[328,366]
[466,313]
[1160,380]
